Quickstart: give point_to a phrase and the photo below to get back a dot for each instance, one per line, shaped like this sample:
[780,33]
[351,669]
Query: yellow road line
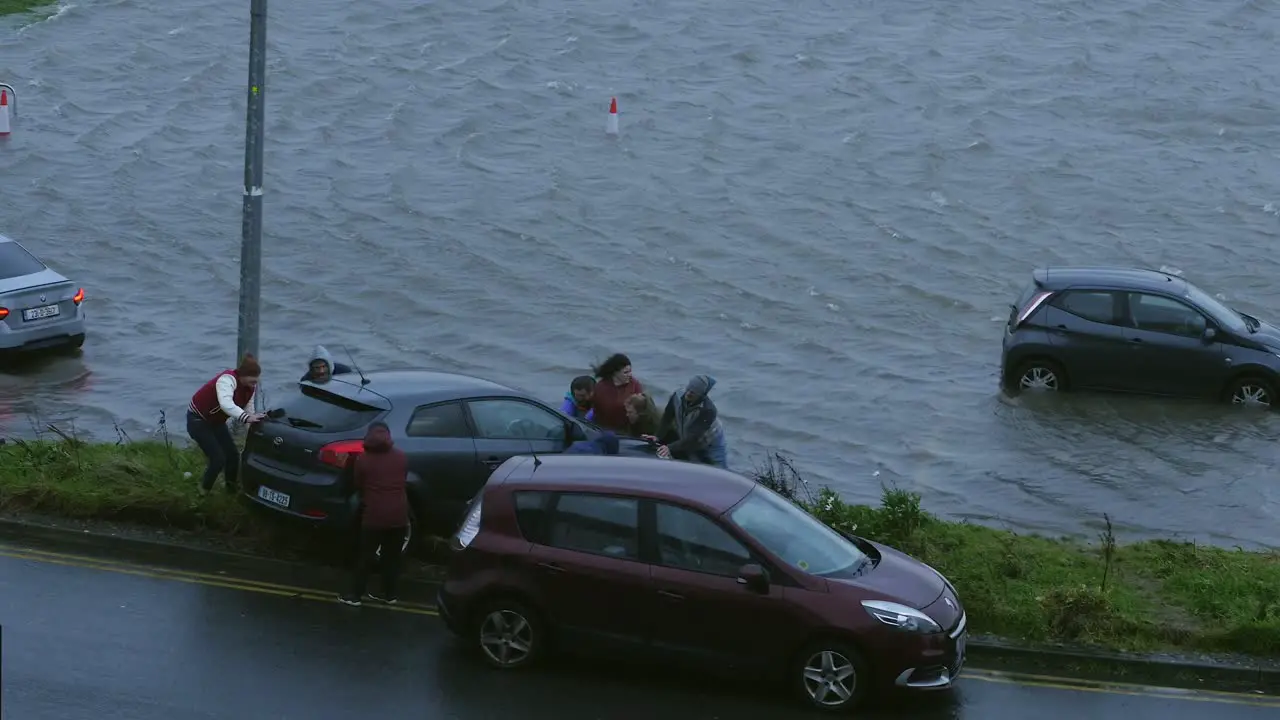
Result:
[1129,689]
[201,579]
[291,591]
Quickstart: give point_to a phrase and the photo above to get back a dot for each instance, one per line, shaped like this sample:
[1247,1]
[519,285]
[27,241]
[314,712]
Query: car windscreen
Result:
[15,261]
[795,536]
[315,410]
[1223,315]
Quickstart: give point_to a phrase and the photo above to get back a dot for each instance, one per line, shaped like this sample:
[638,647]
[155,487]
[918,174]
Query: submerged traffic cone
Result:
[612,127]
[4,112]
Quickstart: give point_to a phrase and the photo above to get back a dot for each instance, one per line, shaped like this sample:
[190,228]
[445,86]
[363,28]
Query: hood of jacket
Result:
[699,387]
[378,438]
[321,353]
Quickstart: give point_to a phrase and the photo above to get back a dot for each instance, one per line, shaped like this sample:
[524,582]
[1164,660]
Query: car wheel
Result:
[1251,392]
[1041,376]
[830,676]
[508,635]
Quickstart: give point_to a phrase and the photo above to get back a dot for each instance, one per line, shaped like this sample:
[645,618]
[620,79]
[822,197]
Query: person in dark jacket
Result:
[690,428]
[322,367]
[642,415]
[381,474]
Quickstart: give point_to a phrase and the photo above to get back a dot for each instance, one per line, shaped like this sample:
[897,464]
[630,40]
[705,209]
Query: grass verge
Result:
[1156,595]
[13,7]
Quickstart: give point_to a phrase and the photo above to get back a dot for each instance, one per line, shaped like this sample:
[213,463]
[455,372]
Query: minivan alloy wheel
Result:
[830,678]
[506,637]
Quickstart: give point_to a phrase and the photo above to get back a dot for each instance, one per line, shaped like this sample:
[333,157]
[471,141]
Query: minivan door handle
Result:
[670,595]
[552,567]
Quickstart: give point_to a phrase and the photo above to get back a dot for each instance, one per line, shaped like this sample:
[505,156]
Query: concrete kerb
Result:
[1243,675]
[179,557]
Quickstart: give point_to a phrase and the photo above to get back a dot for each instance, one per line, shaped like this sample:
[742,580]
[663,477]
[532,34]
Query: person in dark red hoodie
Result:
[381,474]
[609,400]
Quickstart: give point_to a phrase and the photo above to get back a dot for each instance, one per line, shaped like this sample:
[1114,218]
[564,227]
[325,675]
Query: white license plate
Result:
[40,313]
[271,496]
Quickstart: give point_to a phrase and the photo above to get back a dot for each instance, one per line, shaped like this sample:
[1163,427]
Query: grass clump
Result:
[1154,595]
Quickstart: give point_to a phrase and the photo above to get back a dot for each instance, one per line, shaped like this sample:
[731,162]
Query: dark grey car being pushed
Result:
[454,429]
[1138,331]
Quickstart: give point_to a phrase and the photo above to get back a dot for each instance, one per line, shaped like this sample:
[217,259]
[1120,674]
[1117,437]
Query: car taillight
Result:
[338,454]
[471,526]
[1030,307]
[78,297]
[4,313]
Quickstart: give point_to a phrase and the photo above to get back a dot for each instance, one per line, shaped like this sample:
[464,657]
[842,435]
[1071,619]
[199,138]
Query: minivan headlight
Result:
[901,617]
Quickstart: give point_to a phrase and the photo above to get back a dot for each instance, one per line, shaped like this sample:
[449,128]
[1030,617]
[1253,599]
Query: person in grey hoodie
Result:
[690,428]
[322,367]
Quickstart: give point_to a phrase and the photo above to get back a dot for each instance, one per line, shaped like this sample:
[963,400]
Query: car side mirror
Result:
[1209,335]
[573,432]
[754,578]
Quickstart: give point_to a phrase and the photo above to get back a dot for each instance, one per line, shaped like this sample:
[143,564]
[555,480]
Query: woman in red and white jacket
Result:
[228,395]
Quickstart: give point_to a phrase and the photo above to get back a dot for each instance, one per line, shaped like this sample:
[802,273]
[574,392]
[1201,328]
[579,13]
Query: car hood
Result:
[900,578]
[1267,335]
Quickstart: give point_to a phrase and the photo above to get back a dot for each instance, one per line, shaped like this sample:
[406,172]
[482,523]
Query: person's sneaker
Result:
[351,600]
[381,599]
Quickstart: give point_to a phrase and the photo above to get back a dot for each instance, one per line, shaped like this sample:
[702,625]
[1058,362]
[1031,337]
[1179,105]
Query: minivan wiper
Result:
[300,423]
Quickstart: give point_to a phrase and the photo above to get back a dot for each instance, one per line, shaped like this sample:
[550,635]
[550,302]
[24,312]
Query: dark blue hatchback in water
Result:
[1138,331]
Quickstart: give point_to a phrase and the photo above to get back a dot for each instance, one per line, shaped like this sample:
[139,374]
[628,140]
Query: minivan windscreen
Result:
[794,535]
[315,410]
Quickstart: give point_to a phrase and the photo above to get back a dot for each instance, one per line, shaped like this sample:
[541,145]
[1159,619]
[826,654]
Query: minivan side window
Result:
[532,513]
[596,524]
[691,541]
[1094,305]
[1165,315]
[439,421]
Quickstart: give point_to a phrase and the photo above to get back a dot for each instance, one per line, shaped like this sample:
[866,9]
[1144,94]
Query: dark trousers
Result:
[214,439]
[390,540]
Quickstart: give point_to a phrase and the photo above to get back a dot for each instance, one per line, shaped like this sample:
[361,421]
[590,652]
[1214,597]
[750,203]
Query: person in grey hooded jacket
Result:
[322,367]
[690,427]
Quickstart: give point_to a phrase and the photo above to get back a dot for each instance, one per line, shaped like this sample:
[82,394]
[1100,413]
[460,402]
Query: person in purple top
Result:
[577,402]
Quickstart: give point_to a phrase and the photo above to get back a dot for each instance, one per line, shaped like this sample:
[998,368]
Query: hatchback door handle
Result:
[552,567]
[1137,340]
[493,462]
[671,595]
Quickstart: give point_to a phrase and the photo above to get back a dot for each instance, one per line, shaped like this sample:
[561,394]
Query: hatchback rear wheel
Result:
[508,634]
[1040,376]
[1254,392]
[830,676]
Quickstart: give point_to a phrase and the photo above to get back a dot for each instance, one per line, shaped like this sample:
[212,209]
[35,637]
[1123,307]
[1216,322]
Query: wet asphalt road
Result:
[121,643]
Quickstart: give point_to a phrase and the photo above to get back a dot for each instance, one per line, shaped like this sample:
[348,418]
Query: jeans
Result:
[215,442]
[391,541]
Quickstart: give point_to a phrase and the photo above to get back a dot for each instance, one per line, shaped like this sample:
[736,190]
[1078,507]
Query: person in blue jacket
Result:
[577,402]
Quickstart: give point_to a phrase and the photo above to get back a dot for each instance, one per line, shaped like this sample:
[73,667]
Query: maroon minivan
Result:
[691,563]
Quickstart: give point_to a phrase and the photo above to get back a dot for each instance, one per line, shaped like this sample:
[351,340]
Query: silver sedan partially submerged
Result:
[39,307]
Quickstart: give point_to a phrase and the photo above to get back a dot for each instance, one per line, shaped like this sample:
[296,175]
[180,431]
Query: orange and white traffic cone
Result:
[611,128]
[4,112]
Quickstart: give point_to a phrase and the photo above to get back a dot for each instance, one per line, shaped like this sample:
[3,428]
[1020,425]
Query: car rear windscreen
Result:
[315,410]
[16,261]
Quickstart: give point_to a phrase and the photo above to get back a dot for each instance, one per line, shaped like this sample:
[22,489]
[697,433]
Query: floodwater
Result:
[827,205]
